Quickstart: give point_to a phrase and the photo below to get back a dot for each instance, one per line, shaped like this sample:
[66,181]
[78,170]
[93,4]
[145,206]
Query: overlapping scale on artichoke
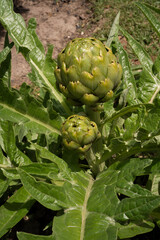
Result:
[78,133]
[87,72]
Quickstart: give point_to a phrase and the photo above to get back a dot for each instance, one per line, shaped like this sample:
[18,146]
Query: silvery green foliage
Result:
[112,204]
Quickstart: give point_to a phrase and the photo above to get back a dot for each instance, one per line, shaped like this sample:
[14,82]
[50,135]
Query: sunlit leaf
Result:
[29,236]
[27,110]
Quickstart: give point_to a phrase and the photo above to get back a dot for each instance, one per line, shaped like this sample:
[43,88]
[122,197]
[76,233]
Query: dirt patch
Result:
[57,23]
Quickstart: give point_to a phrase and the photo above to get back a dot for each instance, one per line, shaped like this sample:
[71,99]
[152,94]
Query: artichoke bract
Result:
[87,72]
[78,133]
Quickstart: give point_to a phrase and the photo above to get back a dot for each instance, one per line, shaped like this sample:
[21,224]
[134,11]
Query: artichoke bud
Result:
[78,133]
[77,89]
[88,70]
[63,89]
[89,99]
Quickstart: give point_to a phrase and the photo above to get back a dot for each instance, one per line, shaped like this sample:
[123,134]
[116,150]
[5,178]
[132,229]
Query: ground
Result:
[58,21]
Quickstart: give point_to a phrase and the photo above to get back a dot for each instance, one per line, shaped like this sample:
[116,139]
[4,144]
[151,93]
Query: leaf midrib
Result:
[31,119]
[84,208]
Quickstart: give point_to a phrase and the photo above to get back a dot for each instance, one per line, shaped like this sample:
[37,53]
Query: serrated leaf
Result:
[114,30]
[49,66]
[29,236]
[153,115]
[131,124]
[134,229]
[133,134]
[3,159]
[154,178]
[97,226]
[40,170]
[32,30]
[134,167]
[51,196]
[4,183]
[136,208]
[27,42]
[128,77]
[65,172]
[43,74]
[91,211]
[24,109]
[4,53]
[10,173]
[145,8]
[149,86]
[43,170]
[92,207]
[74,196]
[15,156]
[122,112]
[15,25]
[5,62]
[142,55]
[156,65]
[14,210]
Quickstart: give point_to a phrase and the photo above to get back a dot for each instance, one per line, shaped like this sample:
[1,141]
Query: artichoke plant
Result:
[78,133]
[87,72]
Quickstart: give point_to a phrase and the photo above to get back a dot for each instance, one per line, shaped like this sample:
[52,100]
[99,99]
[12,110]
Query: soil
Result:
[58,21]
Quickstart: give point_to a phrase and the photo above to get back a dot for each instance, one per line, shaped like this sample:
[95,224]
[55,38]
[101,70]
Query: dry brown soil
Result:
[57,23]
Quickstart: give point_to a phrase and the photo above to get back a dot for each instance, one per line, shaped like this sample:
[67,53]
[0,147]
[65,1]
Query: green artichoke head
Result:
[87,72]
[78,133]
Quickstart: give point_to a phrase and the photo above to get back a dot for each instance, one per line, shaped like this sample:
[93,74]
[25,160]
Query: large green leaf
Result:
[114,31]
[122,112]
[32,30]
[7,140]
[51,196]
[14,210]
[130,90]
[4,53]
[5,62]
[92,207]
[156,65]
[134,229]
[134,133]
[15,25]
[47,171]
[134,167]
[28,43]
[151,17]
[149,84]
[65,172]
[142,55]
[24,109]
[4,183]
[29,236]
[139,205]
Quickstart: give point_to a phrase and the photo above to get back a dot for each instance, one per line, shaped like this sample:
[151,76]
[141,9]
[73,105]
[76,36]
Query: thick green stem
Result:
[93,156]
[93,115]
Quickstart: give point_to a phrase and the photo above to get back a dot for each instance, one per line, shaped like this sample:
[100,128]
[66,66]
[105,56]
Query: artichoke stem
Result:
[93,156]
[93,115]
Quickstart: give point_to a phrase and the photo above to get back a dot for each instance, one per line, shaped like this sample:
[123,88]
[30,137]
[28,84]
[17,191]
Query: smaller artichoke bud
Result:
[78,133]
